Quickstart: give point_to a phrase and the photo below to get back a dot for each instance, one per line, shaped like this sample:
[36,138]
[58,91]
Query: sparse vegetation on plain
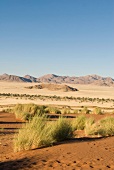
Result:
[57,98]
[27,111]
[40,132]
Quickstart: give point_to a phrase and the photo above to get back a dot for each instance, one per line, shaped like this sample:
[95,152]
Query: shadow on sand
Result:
[15,164]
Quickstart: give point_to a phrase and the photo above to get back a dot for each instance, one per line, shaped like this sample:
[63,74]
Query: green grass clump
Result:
[79,122]
[40,132]
[105,127]
[61,130]
[90,126]
[32,135]
[24,111]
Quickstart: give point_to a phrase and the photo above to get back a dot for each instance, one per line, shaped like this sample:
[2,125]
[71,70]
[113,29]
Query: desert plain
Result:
[79,153]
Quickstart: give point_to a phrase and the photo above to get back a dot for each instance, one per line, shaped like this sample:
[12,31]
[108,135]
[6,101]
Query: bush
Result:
[79,123]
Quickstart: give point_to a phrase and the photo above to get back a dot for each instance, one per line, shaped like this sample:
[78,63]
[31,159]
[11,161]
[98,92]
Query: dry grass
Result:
[104,127]
[32,135]
[97,111]
[27,111]
[40,132]
[79,122]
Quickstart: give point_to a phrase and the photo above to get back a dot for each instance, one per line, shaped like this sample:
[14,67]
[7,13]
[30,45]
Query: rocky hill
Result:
[53,87]
[52,78]
[31,78]
[13,78]
[89,79]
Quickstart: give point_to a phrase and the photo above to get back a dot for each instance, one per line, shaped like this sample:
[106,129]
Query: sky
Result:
[62,37]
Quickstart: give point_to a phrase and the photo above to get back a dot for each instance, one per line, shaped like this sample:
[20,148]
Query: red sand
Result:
[76,154]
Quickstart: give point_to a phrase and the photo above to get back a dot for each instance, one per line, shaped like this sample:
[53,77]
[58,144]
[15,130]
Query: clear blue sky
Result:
[63,37]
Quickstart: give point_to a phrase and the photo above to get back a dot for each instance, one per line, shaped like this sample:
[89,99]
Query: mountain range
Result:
[52,78]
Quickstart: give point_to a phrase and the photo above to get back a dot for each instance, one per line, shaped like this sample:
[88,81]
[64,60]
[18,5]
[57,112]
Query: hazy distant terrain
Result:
[51,78]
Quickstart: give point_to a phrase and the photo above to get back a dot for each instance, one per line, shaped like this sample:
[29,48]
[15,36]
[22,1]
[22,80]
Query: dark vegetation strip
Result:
[42,97]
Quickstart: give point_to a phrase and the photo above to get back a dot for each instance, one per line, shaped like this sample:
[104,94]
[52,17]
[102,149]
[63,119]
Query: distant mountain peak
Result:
[31,78]
[5,74]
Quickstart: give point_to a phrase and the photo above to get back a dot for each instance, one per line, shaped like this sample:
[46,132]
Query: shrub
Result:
[79,123]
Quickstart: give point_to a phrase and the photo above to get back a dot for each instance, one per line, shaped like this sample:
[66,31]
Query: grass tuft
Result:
[105,127]
[26,111]
[32,135]
[97,111]
[61,130]
[79,122]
